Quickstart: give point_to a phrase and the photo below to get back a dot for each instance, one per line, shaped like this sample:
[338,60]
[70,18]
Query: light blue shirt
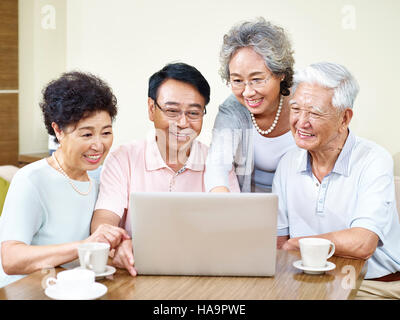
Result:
[359,192]
[42,208]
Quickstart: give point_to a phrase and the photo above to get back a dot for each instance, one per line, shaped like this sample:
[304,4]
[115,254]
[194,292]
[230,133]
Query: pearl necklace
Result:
[273,125]
[70,180]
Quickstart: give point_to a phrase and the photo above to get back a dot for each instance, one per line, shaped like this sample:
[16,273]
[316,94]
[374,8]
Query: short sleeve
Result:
[226,137]
[114,186]
[375,198]
[23,211]
[278,187]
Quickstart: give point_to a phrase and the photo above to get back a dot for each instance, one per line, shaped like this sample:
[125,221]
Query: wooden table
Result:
[289,283]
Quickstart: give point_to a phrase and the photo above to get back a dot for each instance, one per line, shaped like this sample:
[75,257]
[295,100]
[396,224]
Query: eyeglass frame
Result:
[180,113]
[250,83]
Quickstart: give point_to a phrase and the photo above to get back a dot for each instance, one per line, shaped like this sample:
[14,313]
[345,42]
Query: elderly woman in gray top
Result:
[251,131]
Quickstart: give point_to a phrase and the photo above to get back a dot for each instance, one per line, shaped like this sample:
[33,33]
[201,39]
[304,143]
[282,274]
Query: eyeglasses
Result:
[253,83]
[175,113]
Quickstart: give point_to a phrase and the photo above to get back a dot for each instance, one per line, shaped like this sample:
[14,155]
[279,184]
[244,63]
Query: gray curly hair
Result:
[268,40]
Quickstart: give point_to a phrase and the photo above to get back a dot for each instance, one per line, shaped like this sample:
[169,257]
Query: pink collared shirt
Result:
[139,167]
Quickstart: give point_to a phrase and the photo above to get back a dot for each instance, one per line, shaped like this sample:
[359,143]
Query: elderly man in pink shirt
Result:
[169,161]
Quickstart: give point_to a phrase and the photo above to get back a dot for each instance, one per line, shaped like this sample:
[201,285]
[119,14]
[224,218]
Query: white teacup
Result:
[94,256]
[315,251]
[72,280]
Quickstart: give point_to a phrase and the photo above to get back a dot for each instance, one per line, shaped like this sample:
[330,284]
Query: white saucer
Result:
[310,270]
[95,291]
[108,272]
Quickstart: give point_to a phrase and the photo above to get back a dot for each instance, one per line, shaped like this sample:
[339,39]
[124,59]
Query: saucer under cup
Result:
[107,272]
[310,270]
[91,292]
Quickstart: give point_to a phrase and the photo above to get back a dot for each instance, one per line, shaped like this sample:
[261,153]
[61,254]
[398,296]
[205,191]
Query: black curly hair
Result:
[75,96]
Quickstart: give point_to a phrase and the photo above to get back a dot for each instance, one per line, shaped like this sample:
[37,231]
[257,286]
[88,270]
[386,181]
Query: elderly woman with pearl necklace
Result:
[49,205]
[251,130]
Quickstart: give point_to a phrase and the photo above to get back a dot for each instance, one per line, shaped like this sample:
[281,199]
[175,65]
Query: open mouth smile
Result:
[254,103]
[94,158]
[304,134]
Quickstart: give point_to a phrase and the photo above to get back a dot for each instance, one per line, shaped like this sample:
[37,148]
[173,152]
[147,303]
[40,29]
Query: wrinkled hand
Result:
[123,257]
[291,244]
[109,234]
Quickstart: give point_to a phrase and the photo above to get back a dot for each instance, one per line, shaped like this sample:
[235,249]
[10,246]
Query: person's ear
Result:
[151,108]
[58,132]
[346,118]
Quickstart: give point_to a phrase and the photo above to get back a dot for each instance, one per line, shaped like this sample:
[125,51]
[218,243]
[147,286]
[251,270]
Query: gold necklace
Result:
[70,180]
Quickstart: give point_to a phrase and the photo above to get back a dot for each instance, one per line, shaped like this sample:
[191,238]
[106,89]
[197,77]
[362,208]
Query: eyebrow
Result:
[255,73]
[91,128]
[173,103]
[318,109]
[315,108]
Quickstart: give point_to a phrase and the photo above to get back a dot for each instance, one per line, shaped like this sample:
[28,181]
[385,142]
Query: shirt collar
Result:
[154,160]
[342,163]
[197,158]
[304,162]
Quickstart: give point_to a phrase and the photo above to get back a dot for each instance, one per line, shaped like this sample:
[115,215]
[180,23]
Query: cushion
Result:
[7,172]
[4,184]
[397,192]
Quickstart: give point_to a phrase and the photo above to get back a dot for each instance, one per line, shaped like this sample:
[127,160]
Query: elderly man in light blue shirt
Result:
[336,185]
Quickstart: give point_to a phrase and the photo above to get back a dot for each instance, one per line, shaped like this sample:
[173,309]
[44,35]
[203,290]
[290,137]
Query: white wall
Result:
[125,41]
[42,57]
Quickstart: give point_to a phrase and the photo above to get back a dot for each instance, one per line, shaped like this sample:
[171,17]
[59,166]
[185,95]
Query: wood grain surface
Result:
[289,283]
[9,128]
[9,44]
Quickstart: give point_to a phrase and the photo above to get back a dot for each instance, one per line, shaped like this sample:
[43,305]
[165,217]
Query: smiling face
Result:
[246,65]
[84,145]
[316,125]
[176,95]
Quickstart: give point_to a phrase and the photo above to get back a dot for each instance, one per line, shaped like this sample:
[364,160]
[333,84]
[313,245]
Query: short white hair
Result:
[331,76]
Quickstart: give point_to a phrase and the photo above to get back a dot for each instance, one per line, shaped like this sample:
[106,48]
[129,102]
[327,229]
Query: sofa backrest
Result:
[7,172]
[397,192]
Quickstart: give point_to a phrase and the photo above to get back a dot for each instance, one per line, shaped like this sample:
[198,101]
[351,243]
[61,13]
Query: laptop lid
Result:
[220,234]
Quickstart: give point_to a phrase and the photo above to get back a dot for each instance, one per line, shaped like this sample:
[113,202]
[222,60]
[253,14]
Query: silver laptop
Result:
[217,234]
